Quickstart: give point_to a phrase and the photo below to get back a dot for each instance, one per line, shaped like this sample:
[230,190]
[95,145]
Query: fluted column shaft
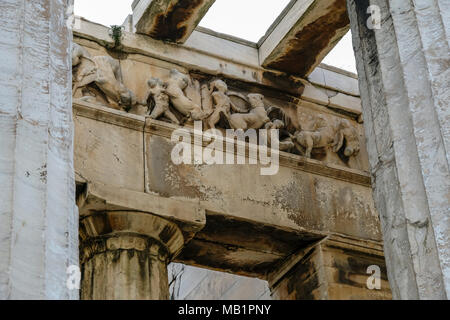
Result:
[38,217]
[403,69]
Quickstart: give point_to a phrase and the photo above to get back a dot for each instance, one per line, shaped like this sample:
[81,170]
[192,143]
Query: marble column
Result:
[404,77]
[38,219]
[124,255]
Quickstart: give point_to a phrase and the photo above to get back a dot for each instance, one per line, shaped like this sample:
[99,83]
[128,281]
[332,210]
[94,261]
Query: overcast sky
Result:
[250,22]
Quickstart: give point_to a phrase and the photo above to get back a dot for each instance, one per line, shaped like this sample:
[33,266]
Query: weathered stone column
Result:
[404,77]
[38,219]
[124,255]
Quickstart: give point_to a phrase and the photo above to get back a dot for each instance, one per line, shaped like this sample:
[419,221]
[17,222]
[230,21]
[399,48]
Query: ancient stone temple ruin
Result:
[350,200]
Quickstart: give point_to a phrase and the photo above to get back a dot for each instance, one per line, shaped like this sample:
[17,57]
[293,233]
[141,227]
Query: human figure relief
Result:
[222,103]
[176,85]
[105,73]
[84,68]
[157,91]
[256,118]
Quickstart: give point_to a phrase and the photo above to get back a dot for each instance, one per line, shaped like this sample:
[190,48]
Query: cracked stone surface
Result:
[38,219]
[403,75]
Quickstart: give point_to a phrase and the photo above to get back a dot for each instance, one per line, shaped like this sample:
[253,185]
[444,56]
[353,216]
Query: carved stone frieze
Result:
[180,99]
[99,79]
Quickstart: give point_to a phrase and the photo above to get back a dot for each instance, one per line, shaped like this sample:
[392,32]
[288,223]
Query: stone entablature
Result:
[181,95]
[127,103]
[125,161]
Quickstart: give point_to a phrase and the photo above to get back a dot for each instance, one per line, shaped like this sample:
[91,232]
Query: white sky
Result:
[246,23]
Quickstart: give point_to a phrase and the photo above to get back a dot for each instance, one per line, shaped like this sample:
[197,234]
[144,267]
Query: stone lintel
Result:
[170,20]
[243,246]
[164,129]
[306,33]
[96,197]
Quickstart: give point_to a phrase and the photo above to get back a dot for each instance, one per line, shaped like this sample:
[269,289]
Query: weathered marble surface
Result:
[404,79]
[308,31]
[169,20]
[335,269]
[176,95]
[297,213]
[309,199]
[124,255]
[38,218]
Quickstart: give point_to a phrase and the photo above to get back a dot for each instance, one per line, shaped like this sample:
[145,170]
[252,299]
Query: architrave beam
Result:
[303,35]
[169,20]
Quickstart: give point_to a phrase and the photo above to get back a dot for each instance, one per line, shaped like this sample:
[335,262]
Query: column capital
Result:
[130,230]
[124,255]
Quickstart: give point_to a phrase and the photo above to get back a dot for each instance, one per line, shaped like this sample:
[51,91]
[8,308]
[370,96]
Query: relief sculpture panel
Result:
[181,99]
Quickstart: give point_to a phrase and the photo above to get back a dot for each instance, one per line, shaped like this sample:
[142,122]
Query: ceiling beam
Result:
[169,20]
[303,35]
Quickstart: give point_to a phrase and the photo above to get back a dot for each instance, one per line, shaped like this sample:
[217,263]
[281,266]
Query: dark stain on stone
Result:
[319,154]
[223,236]
[345,113]
[216,256]
[350,263]
[233,231]
[143,263]
[130,253]
[303,279]
[301,51]
[287,82]
[341,153]
[298,199]
[166,234]
[117,53]
[43,173]
[116,255]
[273,85]
[167,24]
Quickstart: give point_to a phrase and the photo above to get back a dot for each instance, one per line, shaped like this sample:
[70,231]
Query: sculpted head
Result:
[180,79]
[127,97]
[220,85]
[76,54]
[155,82]
[256,100]
[352,146]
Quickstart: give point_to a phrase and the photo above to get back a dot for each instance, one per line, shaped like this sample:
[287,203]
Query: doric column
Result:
[38,219]
[403,69]
[124,255]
